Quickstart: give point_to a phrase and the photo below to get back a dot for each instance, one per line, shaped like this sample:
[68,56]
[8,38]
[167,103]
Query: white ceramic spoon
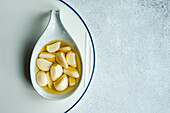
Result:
[54,31]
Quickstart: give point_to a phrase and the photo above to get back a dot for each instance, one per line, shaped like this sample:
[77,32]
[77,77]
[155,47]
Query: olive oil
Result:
[69,88]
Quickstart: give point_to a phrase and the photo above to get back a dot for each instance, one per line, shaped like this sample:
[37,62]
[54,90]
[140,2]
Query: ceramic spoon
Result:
[54,31]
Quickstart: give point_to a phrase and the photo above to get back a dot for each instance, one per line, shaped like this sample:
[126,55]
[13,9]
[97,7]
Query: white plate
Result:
[77,29]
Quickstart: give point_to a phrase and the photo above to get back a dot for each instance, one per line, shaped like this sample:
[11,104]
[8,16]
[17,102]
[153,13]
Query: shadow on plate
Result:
[36,30]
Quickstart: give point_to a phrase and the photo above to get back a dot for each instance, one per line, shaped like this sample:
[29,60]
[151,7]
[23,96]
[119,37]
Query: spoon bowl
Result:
[54,31]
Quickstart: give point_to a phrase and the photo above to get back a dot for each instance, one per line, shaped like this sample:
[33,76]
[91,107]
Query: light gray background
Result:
[132,40]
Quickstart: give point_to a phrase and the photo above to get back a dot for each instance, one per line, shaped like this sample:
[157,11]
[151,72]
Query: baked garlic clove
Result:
[71,59]
[53,47]
[43,64]
[60,58]
[71,72]
[65,49]
[50,83]
[42,78]
[47,56]
[56,71]
[62,83]
[71,81]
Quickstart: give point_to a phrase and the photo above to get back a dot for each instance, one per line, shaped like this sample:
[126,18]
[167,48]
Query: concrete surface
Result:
[132,40]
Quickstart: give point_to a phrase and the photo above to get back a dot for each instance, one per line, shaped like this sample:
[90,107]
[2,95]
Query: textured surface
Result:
[132,40]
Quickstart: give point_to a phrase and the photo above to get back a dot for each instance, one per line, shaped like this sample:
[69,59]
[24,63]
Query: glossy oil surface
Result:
[53,90]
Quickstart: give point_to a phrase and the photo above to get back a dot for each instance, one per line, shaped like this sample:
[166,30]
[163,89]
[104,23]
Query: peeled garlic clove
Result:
[43,64]
[42,78]
[53,47]
[65,49]
[56,71]
[71,72]
[71,81]
[47,56]
[62,83]
[60,58]
[71,59]
[50,83]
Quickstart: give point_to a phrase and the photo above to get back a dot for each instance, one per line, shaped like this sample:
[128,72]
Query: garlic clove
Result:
[53,47]
[71,72]
[65,49]
[60,58]
[71,81]
[42,78]
[50,83]
[56,71]
[71,59]
[43,64]
[47,56]
[62,83]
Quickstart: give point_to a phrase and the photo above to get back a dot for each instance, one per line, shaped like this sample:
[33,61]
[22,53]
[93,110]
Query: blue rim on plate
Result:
[93,53]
